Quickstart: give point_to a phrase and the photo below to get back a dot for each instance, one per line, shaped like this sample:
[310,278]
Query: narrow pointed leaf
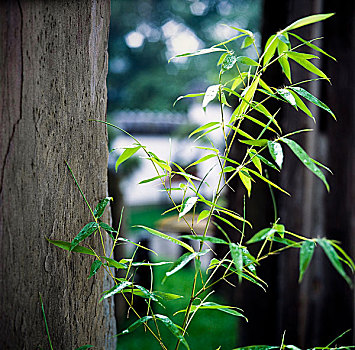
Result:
[214,240]
[188,96]
[76,249]
[258,143]
[116,289]
[167,237]
[256,161]
[114,263]
[86,231]
[237,257]
[100,208]
[210,95]
[275,150]
[199,52]
[151,179]
[267,181]
[247,42]
[334,258]
[203,215]
[287,96]
[269,50]
[126,154]
[95,266]
[300,104]
[307,20]
[308,96]
[261,235]
[146,293]
[204,127]
[245,180]
[180,263]
[187,205]
[305,159]
[247,61]
[306,253]
[203,159]
[167,296]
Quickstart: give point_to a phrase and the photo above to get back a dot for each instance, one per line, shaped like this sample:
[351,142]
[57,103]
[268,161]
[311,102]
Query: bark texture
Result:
[53,62]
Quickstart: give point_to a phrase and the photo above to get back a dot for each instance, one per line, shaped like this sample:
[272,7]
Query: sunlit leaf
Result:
[258,143]
[247,61]
[203,159]
[210,95]
[151,179]
[270,48]
[287,96]
[305,159]
[308,96]
[228,62]
[306,253]
[247,42]
[300,104]
[203,215]
[199,52]
[167,237]
[116,289]
[245,180]
[204,127]
[281,49]
[188,96]
[126,154]
[307,20]
[267,181]
[275,150]
[187,205]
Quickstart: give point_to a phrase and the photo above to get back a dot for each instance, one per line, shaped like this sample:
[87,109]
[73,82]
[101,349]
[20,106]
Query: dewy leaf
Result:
[247,61]
[334,258]
[287,96]
[301,104]
[182,261]
[187,205]
[308,96]
[305,159]
[94,267]
[270,49]
[237,257]
[86,231]
[275,150]
[228,62]
[165,236]
[116,289]
[100,208]
[261,235]
[126,154]
[307,20]
[306,253]
[66,246]
[210,95]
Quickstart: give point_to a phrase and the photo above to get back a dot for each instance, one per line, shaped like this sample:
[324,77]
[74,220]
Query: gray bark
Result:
[53,63]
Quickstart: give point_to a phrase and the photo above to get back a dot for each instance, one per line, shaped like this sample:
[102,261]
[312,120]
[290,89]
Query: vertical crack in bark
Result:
[20,114]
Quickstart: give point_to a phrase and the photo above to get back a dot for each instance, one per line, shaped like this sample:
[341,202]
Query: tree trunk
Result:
[53,63]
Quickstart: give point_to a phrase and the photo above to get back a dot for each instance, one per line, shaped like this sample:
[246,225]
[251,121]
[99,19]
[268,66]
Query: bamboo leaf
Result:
[265,161]
[116,289]
[247,42]
[214,240]
[228,62]
[306,253]
[308,96]
[181,262]
[307,20]
[167,237]
[258,143]
[100,208]
[300,104]
[245,180]
[147,294]
[151,179]
[187,205]
[247,61]
[204,127]
[270,48]
[237,256]
[95,266]
[203,159]
[287,96]
[262,235]
[203,215]
[210,95]
[76,249]
[334,258]
[86,231]
[114,263]
[305,159]
[275,150]
[214,306]
[167,296]
[126,154]
[281,48]
[188,96]
[161,164]
[256,161]
[267,181]
[199,52]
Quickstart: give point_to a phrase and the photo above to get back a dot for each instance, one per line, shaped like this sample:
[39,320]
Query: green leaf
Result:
[314,47]
[228,62]
[126,154]
[305,159]
[245,180]
[203,215]
[300,104]
[167,296]
[247,61]
[151,179]
[307,20]
[234,215]
[247,42]
[228,169]
[308,96]
[334,258]
[237,257]
[146,293]
[100,208]
[203,159]
[95,267]
[188,96]
[281,48]
[164,236]
[214,240]
[265,161]
[275,150]
[114,263]
[306,253]
[161,164]
[248,260]
[256,161]
[199,52]
[182,261]
[287,96]
[261,235]
[270,48]
[66,246]
[267,181]
[116,289]
[187,205]
[86,231]
[306,64]
[210,95]
[258,143]
[204,127]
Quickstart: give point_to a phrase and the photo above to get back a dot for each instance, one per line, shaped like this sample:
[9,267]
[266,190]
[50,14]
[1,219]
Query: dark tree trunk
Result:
[321,308]
[53,59]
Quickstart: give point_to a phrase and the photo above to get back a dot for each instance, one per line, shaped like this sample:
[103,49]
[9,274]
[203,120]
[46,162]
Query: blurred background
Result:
[142,87]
